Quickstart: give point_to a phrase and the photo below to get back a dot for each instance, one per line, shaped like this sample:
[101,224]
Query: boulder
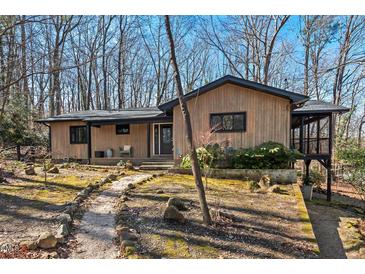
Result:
[171,213]
[176,202]
[47,240]
[30,170]
[31,245]
[264,182]
[63,230]
[129,165]
[71,209]
[131,186]
[112,177]
[105,181]
[53,170]
[127,236]
[160,191]
[64,218]
[124,199]
[274,189]
[121,229]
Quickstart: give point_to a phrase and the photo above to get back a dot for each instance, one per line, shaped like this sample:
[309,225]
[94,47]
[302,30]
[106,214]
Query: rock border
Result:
[49,240]
[128,238]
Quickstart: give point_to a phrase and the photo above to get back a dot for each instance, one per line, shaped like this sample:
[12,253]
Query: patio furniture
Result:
[126,150]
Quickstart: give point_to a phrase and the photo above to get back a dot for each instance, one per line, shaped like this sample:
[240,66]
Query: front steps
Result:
[157,165]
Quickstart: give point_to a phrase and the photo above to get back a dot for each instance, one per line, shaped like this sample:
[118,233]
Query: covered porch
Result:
[312,134]
[139,143]
[138,139]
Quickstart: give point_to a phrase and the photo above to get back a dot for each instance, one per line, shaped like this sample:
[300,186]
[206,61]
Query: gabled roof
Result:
[314,106]
[295,98]
[108,115]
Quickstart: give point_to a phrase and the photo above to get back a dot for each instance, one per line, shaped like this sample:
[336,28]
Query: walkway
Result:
[96,233]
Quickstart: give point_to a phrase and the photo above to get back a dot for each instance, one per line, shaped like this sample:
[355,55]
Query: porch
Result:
[138,141]
[312,134]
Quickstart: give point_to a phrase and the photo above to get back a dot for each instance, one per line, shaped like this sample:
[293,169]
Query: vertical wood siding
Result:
[105,137]
[102,139]
[268,118]
[61,147]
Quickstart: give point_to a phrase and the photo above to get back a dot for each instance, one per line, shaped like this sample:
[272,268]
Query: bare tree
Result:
[187,124]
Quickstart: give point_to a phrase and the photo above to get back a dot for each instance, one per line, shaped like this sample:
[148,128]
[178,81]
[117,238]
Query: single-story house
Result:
[231,111]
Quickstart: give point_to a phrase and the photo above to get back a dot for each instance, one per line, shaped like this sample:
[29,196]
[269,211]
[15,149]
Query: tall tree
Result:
[187,124]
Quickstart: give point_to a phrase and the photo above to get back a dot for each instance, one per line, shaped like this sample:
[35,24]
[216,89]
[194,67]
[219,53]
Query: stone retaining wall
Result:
[276,175]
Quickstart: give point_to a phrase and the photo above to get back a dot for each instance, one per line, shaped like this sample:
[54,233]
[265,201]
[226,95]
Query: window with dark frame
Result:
[228,122]
[122,129]
[78,135]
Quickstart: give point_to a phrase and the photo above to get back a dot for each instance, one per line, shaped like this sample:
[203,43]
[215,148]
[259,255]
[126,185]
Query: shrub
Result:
[268,155]
[354,156]
[315,178]
[204,158]
[253,186]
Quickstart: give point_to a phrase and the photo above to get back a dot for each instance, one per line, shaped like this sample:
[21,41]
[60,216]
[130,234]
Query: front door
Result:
[165,139]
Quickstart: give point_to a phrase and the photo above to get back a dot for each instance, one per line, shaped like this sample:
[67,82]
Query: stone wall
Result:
[276,175]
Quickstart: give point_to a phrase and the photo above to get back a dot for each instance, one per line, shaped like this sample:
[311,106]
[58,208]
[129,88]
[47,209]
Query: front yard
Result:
[28,204]
[254,225]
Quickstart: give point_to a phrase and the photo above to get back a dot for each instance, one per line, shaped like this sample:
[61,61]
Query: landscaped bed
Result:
[254,225]
[29,205]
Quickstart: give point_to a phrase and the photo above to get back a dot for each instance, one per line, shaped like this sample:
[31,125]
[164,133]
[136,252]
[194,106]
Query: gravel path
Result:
[96,232]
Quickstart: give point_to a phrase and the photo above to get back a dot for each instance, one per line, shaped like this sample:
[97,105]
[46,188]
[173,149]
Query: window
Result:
[228,122]
[78,135]
[122,129]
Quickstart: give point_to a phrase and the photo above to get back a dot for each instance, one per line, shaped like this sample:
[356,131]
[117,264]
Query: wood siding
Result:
[268,118]
[61,147]
[105,137]
[102,138]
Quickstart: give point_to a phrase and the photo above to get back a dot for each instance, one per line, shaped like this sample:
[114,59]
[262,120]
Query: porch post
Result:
[88,127]
[149,140]
[301,137]
[329,161]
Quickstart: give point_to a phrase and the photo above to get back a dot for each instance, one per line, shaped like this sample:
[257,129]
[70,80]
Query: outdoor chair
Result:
[126,150]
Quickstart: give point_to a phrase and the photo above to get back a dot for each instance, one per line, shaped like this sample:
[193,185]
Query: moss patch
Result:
[56,190]
[304,217]
[264,225]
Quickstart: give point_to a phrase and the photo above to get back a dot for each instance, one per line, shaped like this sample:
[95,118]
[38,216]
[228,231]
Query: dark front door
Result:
[166,139]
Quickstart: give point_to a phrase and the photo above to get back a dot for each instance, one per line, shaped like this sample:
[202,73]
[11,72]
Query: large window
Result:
[78,135]
[228,122]
[122,129]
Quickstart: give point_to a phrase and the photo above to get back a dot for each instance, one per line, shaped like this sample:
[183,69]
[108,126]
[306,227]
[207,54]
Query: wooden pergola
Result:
[312,133]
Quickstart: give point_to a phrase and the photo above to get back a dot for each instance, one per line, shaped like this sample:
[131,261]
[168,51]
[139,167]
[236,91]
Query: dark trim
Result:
[122,133]
[50,138]
[244,113]
[132,121]
[320,111]
[301,135]
[149,140]
[77,143]
[88,129]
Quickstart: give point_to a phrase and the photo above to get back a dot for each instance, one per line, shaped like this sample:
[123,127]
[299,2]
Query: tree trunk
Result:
[187,123]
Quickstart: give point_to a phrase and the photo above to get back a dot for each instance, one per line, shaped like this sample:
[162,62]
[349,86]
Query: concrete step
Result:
[158,163]
[155,167]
